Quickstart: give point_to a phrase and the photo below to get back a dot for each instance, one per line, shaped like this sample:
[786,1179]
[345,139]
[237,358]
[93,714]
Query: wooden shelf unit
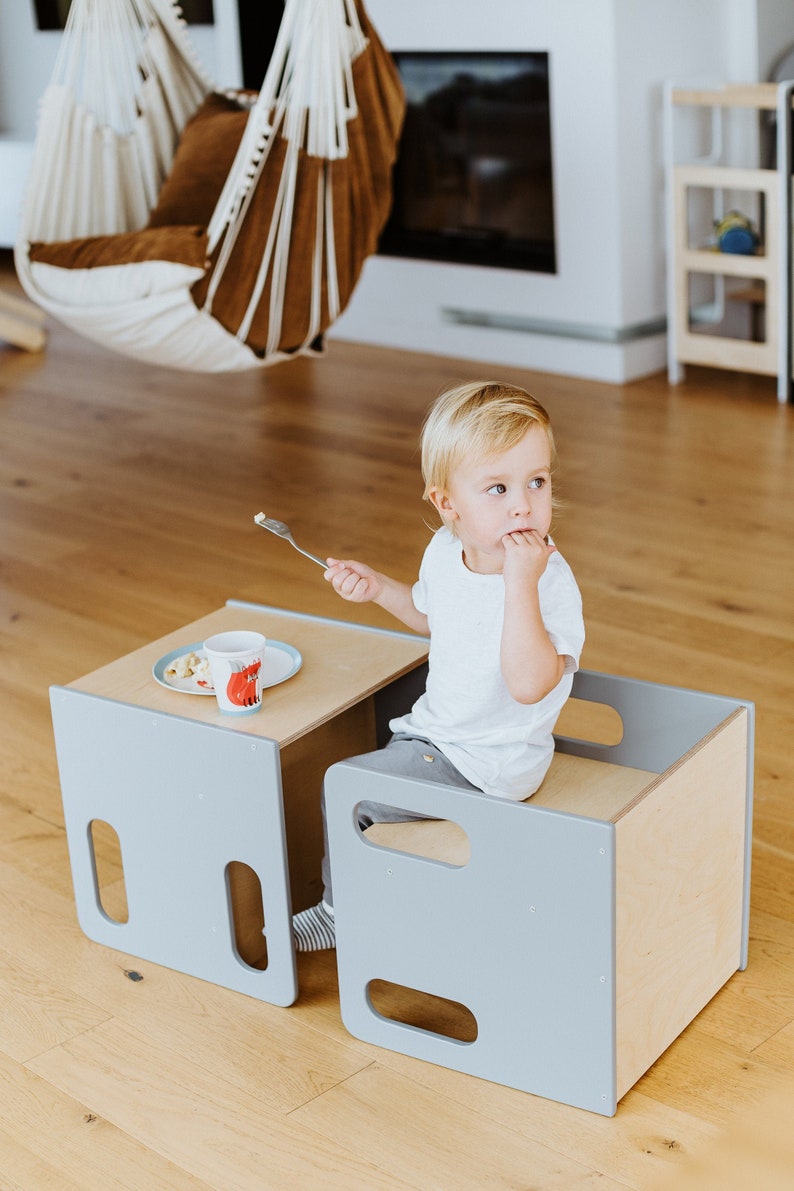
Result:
[768,270]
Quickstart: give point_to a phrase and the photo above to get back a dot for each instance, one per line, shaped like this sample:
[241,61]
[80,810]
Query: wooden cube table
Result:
[217,818]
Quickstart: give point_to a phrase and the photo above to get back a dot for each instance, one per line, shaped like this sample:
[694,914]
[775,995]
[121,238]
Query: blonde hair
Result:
[477,419]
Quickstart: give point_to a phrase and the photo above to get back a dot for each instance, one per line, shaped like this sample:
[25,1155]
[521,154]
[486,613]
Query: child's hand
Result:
[354,581]
[526,555]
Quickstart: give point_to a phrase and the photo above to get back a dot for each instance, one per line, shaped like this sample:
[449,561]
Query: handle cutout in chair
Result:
[429,839]
[422,1011]
[247,912]
[108,866]
[597,723]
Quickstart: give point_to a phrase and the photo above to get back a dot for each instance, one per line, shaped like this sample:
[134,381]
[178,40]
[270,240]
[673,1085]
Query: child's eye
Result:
[498,489]
[538,482]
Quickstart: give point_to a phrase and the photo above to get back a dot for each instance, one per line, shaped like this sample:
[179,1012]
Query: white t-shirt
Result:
[500,745]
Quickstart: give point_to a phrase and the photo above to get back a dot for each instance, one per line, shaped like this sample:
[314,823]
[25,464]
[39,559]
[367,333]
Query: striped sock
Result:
[314,929]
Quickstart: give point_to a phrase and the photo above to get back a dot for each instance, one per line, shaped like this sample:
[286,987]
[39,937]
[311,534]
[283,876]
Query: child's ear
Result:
[442,503]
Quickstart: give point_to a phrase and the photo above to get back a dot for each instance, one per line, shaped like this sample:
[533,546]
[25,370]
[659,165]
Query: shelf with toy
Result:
[728,235]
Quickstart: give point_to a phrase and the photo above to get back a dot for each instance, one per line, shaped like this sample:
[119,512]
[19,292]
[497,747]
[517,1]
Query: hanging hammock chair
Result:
[198,229]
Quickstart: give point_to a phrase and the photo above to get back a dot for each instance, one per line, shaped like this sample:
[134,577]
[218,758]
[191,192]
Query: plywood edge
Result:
[658,779]
[304,764]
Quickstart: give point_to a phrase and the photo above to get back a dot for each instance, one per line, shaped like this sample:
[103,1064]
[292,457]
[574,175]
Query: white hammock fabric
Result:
[125,85]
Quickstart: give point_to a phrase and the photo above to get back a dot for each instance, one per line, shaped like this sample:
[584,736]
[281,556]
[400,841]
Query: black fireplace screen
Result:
[473,179]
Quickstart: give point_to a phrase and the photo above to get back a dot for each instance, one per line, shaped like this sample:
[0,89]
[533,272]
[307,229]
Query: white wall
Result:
[654,42]
[608,61]
[27,57]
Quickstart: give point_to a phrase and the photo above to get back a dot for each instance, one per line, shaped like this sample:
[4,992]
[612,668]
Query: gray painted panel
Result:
[185,798]
[660,723]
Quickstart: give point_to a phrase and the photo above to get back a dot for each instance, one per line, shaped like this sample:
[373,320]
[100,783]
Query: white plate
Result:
[281,661]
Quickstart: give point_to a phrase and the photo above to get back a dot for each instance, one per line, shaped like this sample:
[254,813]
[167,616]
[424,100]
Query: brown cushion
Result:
[183,245]
[202,163]
[361,195]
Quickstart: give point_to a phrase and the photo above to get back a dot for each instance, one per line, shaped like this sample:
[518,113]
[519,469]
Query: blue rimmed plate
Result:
[280,662]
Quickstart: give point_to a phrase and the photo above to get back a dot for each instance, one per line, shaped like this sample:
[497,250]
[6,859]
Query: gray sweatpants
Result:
[406,756]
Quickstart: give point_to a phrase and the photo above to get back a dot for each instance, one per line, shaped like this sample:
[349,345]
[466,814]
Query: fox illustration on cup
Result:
[242,687]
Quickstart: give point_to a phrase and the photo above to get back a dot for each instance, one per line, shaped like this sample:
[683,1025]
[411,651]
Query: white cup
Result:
[235,660]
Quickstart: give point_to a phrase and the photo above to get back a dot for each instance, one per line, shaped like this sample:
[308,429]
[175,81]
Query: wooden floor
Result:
[127,500]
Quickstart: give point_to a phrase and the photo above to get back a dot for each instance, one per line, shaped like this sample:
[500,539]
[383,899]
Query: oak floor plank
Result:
[709,1078]
[37,1012]
[750,1010]
[646,1136]
[259,1048]
[23,1169]
[645,1139]
[44,1130]
[198,1121]
[756,1149]
[37,849]
[779,1049]
[470,1151]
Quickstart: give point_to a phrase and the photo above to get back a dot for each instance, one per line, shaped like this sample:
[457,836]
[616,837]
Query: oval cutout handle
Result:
[430,839]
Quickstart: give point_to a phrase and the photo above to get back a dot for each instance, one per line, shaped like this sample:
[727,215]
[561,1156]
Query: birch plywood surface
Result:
[340,666]
[679,885]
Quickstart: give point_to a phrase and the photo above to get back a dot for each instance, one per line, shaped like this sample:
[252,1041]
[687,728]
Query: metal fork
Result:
[283,531]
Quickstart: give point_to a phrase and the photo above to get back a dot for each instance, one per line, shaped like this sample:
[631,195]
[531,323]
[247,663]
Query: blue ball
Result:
[738,240]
